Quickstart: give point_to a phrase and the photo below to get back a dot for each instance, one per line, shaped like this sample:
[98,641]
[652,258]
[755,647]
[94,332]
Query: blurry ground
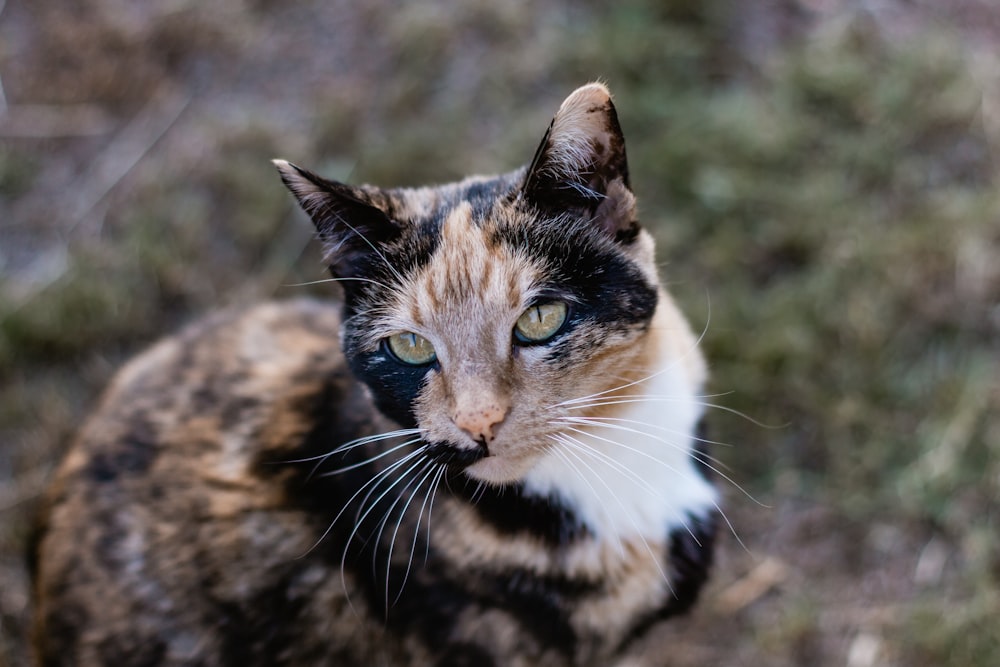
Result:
[822,174]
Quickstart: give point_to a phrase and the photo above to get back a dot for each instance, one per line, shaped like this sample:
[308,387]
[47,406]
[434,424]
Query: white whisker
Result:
[430,469]
[342,220]
[693,454]
[610,461]
[374,480]
[638,532]
[562,455]
[607,421]
[358,521]
[616,424]
[691,348]
[643,398]
[714,469]
[430,510]
[339,280]
[594,452]
[434,473]
[357,442]
[380,455]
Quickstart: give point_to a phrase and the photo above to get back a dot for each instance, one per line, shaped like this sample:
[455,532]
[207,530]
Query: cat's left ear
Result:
[581,164]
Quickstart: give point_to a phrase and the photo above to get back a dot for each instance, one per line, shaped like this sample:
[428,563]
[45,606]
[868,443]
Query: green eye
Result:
[540,322]
[411,348]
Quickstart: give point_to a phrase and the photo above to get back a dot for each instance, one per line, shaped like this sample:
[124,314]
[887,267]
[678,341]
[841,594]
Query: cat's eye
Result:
[540,322]
[411,349]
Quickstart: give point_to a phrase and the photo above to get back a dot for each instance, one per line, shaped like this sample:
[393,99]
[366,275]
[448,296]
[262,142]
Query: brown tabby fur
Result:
[193,522]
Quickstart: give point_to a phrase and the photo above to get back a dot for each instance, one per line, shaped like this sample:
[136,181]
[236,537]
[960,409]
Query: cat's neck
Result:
[632,472]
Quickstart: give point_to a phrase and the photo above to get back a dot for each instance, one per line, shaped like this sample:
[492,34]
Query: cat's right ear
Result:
[350,225]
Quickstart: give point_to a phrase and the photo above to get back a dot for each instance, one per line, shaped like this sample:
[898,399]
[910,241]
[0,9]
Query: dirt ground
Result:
[136,192]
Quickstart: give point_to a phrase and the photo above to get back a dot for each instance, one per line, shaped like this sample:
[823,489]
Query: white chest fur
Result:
[631,474]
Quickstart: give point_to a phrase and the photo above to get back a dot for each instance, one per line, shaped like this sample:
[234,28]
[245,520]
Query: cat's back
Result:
[174,510]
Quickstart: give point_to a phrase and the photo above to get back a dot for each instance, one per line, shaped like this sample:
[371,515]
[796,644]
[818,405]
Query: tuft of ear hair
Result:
[581,164]
[349,222]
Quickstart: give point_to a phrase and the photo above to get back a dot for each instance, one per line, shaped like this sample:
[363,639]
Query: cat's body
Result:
[541,501]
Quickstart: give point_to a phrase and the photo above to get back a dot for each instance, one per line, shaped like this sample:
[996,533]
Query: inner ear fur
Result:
[581,164]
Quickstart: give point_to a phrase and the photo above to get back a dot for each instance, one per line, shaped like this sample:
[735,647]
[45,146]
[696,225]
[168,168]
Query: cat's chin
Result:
[499,470]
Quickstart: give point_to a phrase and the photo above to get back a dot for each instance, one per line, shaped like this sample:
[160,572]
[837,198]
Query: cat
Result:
[484,452]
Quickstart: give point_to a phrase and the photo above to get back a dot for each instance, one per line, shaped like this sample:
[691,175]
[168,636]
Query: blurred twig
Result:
[754,585]
[3,97]
[126,150]
[23,487]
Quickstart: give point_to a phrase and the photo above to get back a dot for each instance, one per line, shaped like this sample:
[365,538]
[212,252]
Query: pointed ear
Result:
[348,221]
[581,165]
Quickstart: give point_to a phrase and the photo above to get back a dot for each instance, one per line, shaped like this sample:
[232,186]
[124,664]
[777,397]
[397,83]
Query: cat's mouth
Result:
[476,462]
[459,457]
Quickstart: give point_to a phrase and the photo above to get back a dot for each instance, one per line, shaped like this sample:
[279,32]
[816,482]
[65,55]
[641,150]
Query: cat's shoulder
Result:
[182,471]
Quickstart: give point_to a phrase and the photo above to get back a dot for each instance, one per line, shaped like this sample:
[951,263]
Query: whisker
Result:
[601,422]
[357,442]
[360,520]
[361,442]
[640,398]
[478,494]
[430,509]
[562,455]
[338,280]
[649,550]
[668,367]
[610,461]
[353,466]
[593,453]
[329,210]
[674,470]
[429,467]
[691,453]
[376,480]
[434,471]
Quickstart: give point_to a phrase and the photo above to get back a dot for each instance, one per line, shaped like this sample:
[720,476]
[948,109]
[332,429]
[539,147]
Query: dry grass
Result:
[823,181]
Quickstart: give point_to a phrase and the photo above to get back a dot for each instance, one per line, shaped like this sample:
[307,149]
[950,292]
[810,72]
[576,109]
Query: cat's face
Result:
[477,311]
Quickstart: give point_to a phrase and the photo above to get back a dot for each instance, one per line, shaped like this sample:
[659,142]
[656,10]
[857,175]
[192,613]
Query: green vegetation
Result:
[828,208]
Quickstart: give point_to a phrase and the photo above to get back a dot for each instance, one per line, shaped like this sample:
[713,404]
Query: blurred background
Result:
[822,176]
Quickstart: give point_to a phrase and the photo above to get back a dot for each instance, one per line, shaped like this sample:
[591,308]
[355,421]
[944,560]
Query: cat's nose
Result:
[481,422]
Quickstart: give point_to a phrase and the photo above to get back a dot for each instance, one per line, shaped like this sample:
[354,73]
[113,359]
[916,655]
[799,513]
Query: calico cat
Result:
[497,464]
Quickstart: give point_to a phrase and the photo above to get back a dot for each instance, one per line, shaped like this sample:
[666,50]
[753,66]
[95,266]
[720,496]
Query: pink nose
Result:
[481,423]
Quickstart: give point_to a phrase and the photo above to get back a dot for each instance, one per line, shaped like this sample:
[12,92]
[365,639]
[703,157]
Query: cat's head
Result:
[476,311]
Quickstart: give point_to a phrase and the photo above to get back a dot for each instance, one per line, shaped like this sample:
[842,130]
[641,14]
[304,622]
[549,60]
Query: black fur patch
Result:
[250,635]
[692,549]
[699,450]
[432,605]
[62,627]
[388,265]
[691,553]
[131,454]
[606,287]
[510,510]
[395,386]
